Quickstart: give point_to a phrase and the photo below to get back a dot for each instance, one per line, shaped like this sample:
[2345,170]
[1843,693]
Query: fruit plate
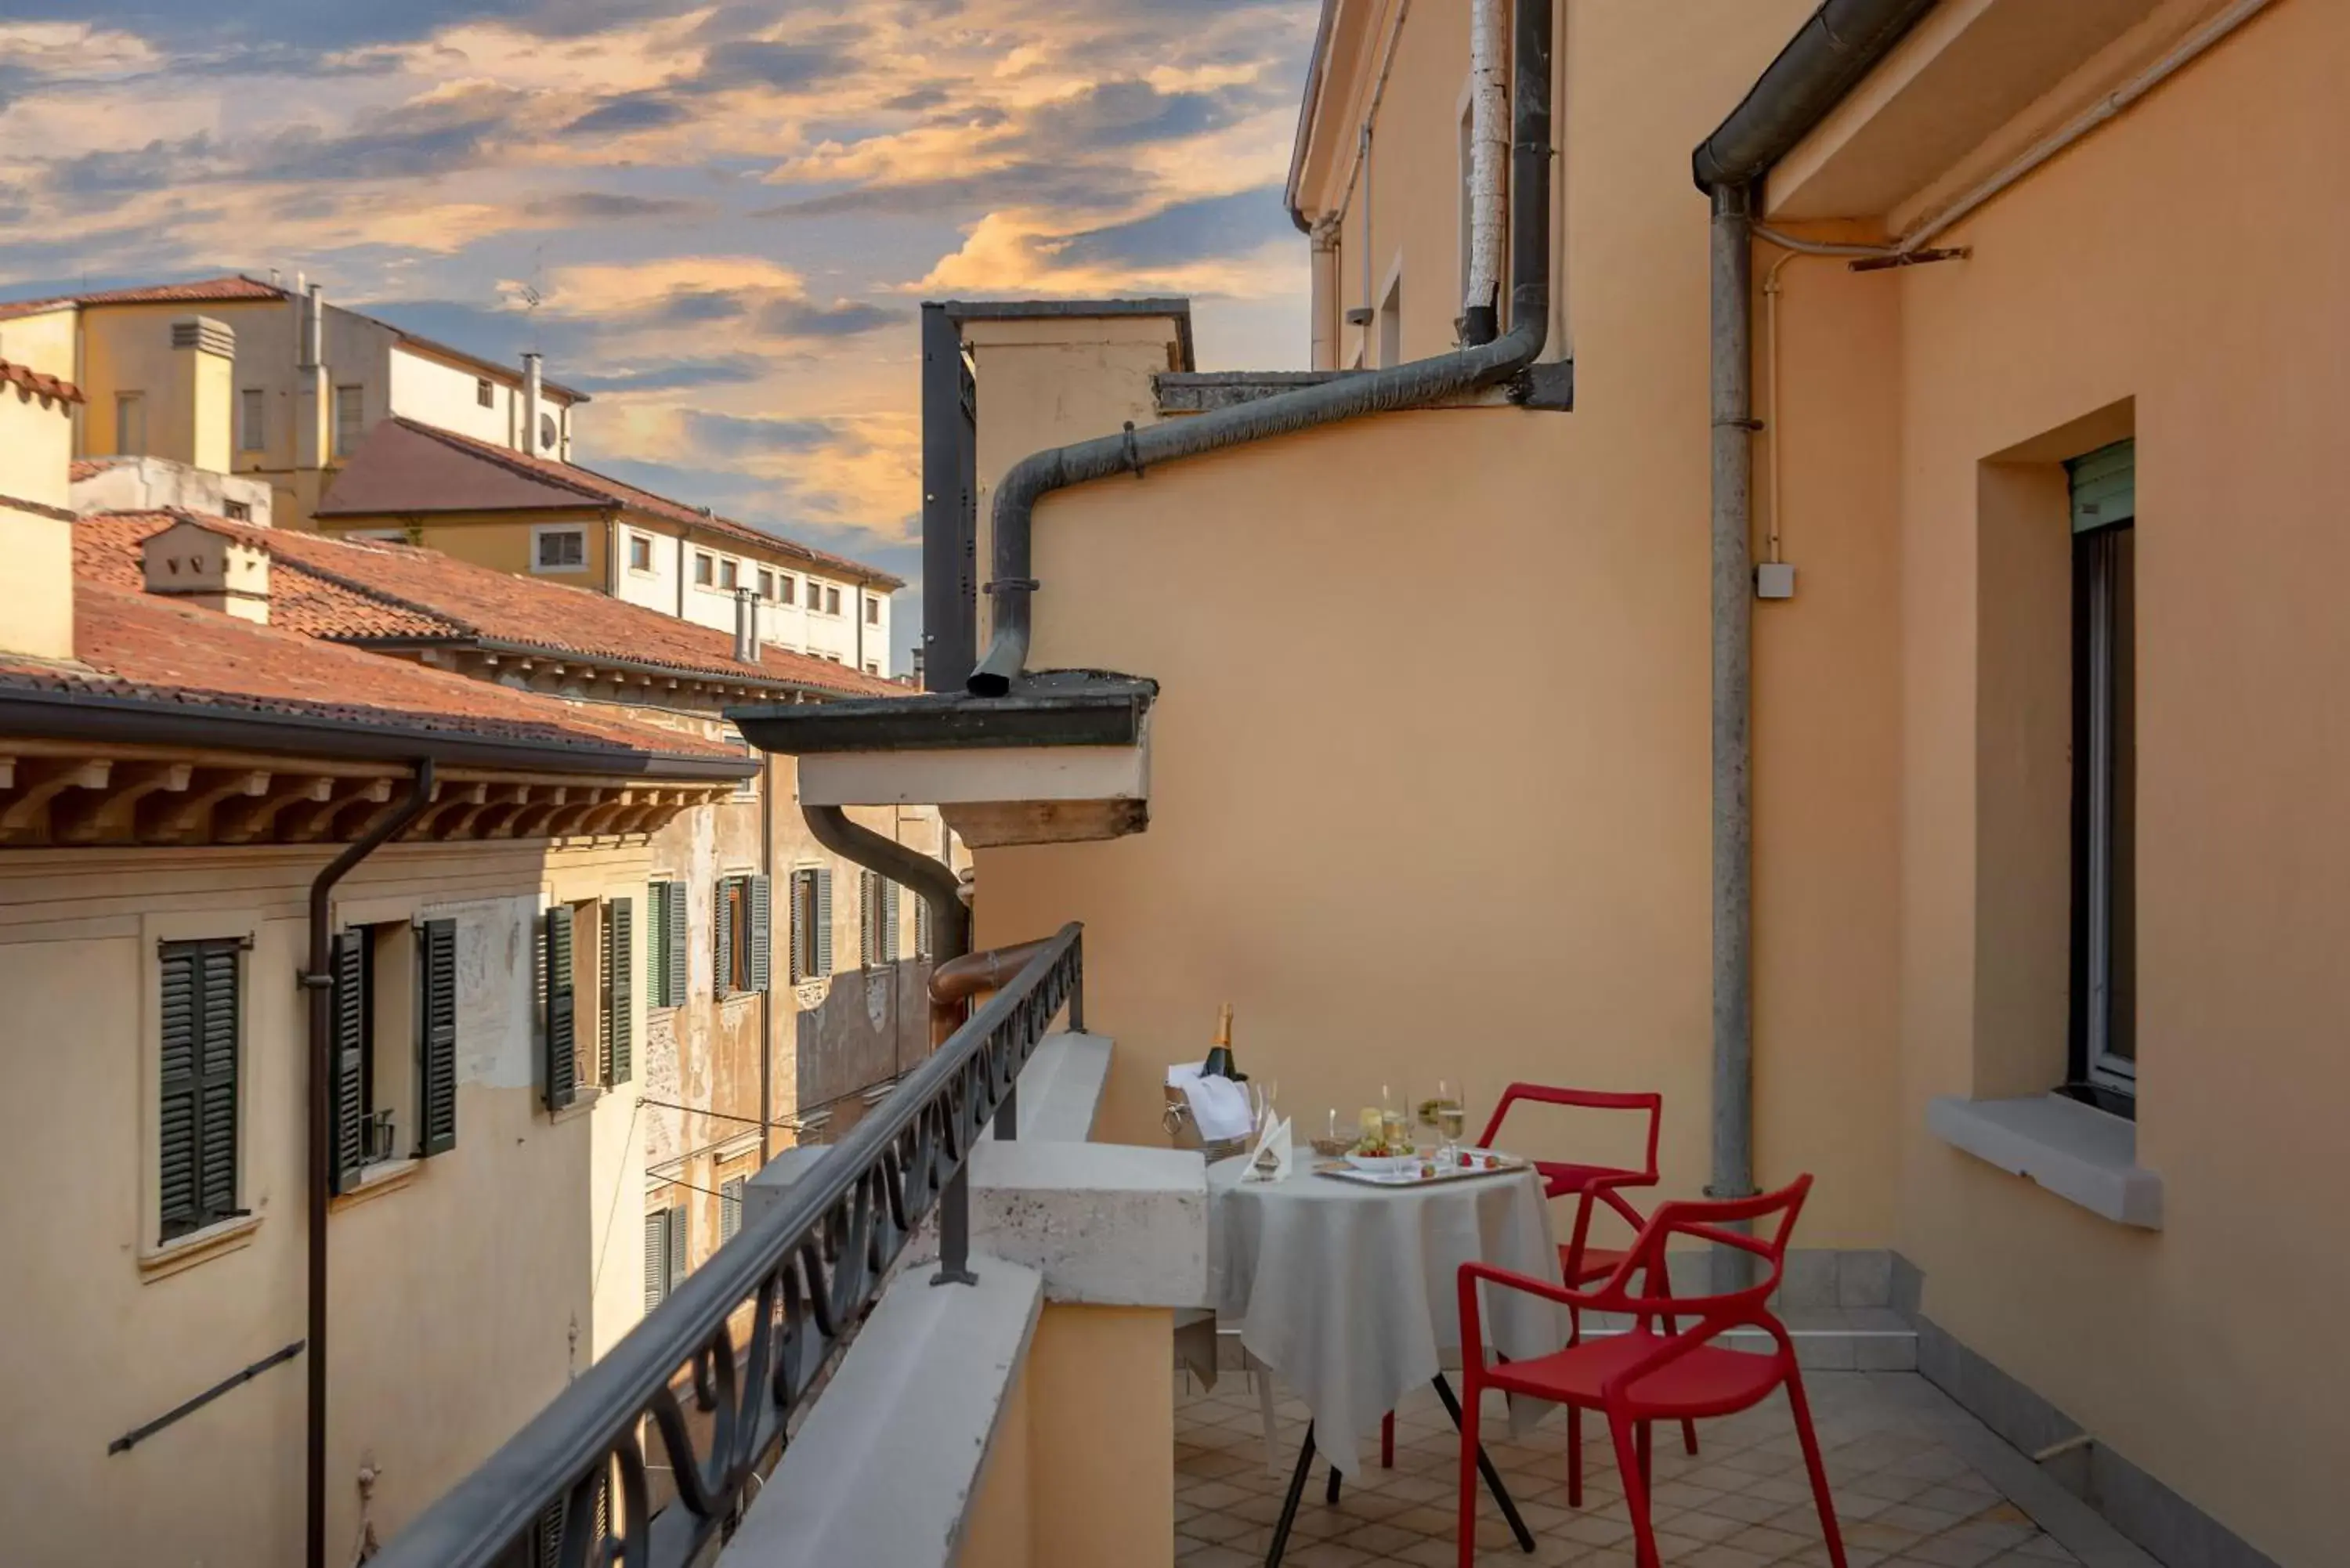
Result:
[1423,1171]
[1382,1164]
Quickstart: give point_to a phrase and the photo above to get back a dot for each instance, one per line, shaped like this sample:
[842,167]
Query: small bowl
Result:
[1384,1164]
[1331,1147]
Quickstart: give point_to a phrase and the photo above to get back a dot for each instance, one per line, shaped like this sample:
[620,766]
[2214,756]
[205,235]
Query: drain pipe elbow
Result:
[933,881]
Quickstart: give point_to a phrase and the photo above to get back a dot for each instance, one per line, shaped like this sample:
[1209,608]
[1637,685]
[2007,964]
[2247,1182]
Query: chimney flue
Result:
[746,627]
[314,328]
[530,401]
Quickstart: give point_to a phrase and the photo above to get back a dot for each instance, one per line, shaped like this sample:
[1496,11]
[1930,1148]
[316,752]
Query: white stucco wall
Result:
[785,626]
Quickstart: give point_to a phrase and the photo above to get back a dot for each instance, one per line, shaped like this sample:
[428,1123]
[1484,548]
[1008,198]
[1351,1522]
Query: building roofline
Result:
[1308,107]
[463,357]
[1175,306]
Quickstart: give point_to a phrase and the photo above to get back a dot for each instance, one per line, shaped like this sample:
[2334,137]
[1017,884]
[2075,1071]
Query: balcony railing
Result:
[808,1269]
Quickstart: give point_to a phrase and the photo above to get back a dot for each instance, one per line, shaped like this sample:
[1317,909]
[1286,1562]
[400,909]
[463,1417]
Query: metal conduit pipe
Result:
[1414,384]
[1843,40]
[956,980]
[318,979]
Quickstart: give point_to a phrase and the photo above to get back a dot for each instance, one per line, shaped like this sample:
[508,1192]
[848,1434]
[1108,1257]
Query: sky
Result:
[718,219]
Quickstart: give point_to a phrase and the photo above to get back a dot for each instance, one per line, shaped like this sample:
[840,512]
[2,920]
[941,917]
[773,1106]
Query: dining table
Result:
[1347,1292]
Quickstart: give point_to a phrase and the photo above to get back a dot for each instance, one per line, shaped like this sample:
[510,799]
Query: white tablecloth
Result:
[1350,1291]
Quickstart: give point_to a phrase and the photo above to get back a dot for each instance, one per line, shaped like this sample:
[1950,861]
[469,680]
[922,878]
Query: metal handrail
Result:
[813,1263]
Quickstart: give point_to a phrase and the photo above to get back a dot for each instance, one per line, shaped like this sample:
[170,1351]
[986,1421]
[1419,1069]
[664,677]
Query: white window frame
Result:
[541,532]
[649,569]
[700,559]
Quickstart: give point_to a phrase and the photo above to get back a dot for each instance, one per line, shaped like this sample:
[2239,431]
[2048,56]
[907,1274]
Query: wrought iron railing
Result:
[808,1269]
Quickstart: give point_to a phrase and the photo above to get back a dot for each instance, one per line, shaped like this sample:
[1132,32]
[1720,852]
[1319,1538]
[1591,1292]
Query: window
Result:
[237,510]
[730,573]
[202,1043]
[877,920]
[130,423]
[704,568]
[811,923]
[831,601]
[483,393]
[252,405]
[872,611]
[351,412]
[558,1034]
[559,549]
[730,1208]
[393,983]
[665,945]
[666,1234]
[924,942]
[743,936]
[617,1044]
[872,667]
[766,584]
[2105,778]
[786,590]
[1392,325]
[640,553]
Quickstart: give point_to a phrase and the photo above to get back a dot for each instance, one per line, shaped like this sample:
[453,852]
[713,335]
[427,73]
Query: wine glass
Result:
[1449,1118]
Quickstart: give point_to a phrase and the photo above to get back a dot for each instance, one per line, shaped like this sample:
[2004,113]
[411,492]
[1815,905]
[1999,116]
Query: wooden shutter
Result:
[890,909]
[619,991]
[801,885]
[347,1059]
[763,932]
[562,1068]
[673,938]
[721,945]
[823,905]
[656,1259]
[436,1112]
[198,1083]
[922,938]
[2104,486]
[655,946]
[730,1208]
[678,1230]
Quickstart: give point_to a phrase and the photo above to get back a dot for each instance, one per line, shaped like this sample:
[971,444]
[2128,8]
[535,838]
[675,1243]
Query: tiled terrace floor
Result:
[1903,1492]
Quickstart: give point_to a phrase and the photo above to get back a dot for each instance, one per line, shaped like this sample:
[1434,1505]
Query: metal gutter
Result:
[1303,141]
[1093,713]
[709,677]
[100,719]
[1839,45]
[1414,384]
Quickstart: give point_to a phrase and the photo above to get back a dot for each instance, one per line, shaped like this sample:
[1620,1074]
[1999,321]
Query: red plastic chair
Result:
[1641,1375]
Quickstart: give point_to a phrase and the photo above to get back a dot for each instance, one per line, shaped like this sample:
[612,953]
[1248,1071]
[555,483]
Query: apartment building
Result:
[545,517]
[286,385]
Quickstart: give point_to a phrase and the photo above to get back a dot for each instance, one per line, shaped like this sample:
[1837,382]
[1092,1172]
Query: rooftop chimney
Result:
[203,381]
[746,627]
[214,567]
[530,400]
[313,403]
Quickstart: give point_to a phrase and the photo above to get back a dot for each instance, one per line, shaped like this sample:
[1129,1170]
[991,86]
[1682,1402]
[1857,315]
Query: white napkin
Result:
[1220,1107]
[1275,1136]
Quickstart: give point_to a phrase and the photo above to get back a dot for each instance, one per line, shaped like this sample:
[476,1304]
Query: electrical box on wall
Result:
[1774,580]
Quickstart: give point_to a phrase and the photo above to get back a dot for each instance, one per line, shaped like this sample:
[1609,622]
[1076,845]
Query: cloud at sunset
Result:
[717,220]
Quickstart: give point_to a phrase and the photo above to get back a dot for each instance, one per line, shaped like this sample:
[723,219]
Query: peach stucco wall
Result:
[1429,767]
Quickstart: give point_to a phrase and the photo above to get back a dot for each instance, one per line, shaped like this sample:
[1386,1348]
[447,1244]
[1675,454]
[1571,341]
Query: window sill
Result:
[589,1093]
[198,1246]
[558,571]
[375,1181]
[2083,1154]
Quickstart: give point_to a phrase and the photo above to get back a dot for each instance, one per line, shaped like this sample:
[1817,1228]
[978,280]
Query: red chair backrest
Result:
[1705,1219]
[1555,1174]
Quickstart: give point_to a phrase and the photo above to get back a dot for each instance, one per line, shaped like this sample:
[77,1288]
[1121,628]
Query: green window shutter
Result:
[678,1230]
[561,1075]
[721,945]
[823,905]
[655,945]
[922,928]
[656,1259]
[619,991]
[2104,486]
[218,1015]
[763,932]
[868,919]
[674,941]
[437,969]
[730,1208]
[891,909]
[347,1061]
[180,1118]
[798,957]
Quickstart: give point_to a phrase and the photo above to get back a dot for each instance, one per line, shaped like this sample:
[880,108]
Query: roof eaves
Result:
[1301,142]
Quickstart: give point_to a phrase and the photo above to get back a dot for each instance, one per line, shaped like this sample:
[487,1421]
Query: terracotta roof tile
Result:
[204,291]
[141,646]
[34,381]
[423,485]
[369,591]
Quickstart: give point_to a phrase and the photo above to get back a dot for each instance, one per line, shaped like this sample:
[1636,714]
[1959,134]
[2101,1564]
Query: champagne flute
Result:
[1449,1118]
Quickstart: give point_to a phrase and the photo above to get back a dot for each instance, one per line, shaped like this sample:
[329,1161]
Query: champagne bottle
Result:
[1219,1054]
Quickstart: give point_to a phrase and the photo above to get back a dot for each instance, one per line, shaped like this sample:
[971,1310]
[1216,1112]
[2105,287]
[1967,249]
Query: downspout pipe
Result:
[932,880]
[1409,386]
[1840,43]
[318,979]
